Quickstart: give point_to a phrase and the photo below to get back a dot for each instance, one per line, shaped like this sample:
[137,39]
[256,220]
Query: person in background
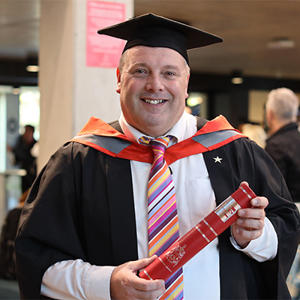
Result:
[105,221]
[254,131]
[298,118]
[188,110]
[7,240]
[24,158]
[283,143]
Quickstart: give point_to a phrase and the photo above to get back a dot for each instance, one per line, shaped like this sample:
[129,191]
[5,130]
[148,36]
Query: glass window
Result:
[197,104]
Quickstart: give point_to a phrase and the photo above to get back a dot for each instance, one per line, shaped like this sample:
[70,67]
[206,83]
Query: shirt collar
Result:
[178,131]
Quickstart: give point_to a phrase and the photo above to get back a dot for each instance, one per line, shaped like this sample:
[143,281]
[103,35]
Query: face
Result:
[153,87]
[28,135]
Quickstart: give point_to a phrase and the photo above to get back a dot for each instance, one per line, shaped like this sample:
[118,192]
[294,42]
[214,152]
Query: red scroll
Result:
[199,236]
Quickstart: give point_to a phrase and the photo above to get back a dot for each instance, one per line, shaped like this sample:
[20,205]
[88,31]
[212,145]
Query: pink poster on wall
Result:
[101,50]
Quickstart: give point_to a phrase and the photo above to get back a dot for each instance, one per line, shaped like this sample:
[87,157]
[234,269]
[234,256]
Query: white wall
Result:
[71,92]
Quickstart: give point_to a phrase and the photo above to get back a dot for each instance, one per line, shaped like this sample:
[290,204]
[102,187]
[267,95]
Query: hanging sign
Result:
[101,50]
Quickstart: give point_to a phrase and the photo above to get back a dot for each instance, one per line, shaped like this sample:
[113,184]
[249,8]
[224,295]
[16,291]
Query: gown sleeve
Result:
[53,205]
[244,160]
[267,180]
[281,211]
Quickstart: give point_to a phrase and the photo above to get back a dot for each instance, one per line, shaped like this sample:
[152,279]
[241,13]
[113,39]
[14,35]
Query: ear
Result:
[118,81]
[187,84]
[271,114]
[269,117]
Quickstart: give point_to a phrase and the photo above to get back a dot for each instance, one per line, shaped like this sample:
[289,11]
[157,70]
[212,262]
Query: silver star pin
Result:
[218,159]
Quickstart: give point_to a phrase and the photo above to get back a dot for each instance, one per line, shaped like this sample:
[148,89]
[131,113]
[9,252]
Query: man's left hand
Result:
[250,223]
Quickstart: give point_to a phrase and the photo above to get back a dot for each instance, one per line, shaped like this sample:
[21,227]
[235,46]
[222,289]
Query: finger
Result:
[154,294]
[250,224]
[147,285]
[131,293]
[141,263]
[249,234]
[261,202]
[252,213]
[258,201]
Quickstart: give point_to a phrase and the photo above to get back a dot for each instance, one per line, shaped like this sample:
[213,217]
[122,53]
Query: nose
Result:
[154,83]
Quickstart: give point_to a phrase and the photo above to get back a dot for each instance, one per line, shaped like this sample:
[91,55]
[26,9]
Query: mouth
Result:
[153,101]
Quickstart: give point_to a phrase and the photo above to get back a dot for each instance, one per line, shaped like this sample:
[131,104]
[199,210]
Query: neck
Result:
[277,125]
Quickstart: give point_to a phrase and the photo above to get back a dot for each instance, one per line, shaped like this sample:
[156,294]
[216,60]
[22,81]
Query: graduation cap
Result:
[155,31]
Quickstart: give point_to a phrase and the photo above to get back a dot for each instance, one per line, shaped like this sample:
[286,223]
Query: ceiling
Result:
[247,27]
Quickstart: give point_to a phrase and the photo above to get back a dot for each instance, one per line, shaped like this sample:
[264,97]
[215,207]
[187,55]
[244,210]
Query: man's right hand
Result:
[126,285]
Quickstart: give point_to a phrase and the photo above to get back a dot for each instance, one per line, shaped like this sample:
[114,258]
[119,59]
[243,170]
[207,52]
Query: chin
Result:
[155,131]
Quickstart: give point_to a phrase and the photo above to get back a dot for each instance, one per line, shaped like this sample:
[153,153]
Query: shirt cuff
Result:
[264,247]
[75,279]
[93,285]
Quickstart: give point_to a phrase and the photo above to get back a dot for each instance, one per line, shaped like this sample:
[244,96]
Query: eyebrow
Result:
[147,66]
[139,65]
[171,67]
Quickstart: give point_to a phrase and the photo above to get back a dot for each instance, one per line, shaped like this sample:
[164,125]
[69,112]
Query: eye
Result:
[140,72]
[170,74]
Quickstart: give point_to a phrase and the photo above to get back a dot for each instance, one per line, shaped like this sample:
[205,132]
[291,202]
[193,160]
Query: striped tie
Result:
[162,212]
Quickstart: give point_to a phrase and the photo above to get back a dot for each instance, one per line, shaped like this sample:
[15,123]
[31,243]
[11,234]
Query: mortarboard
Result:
[155,31]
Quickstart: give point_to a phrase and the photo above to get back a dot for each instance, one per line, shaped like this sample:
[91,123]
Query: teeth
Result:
[153,101]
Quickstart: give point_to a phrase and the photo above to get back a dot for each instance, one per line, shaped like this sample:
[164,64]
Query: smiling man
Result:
[153,86]
[119,194]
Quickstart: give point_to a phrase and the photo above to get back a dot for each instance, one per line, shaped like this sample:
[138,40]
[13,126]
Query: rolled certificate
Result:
[199,236]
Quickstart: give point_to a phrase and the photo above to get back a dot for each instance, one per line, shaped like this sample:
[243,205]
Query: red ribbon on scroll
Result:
[199,236]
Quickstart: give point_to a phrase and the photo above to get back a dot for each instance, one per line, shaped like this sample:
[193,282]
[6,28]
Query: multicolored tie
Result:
[162,212]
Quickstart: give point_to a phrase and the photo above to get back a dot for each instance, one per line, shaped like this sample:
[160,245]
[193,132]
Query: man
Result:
[24,158]
[7,240]
[298,118]
[93,192]
[283,143]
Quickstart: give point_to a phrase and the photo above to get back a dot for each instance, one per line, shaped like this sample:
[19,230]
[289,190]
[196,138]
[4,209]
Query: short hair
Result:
[284,104]
[122,61]
[29,127]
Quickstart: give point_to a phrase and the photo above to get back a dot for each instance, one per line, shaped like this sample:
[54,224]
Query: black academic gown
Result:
[81,206]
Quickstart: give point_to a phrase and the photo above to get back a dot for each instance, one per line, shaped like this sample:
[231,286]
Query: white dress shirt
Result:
[75,279]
